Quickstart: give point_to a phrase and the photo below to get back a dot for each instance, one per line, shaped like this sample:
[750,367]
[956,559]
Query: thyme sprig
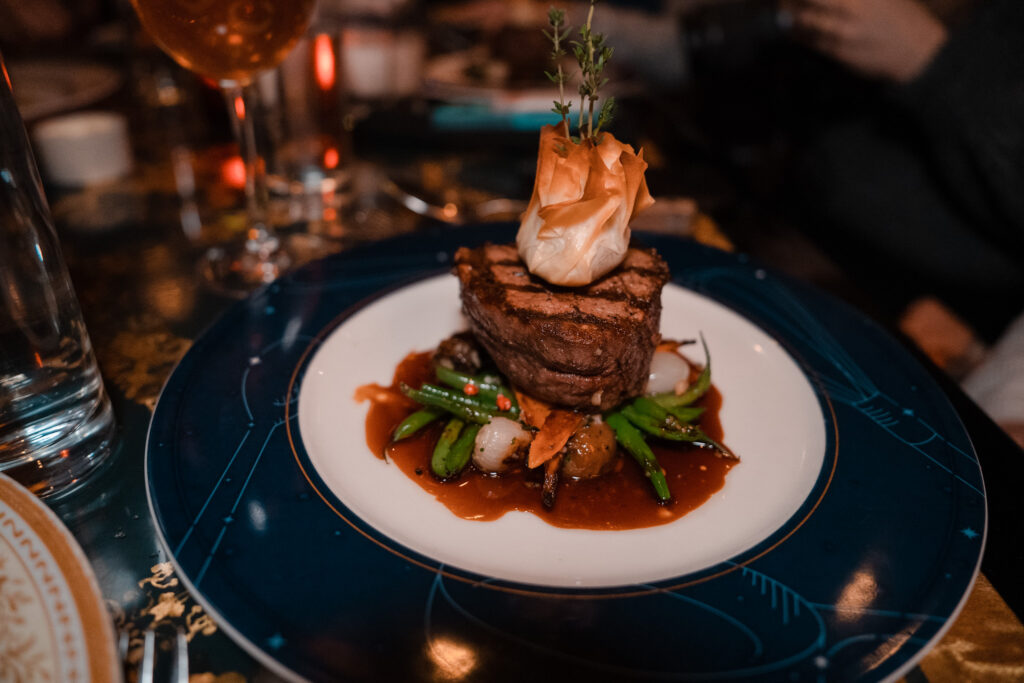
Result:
[592,55]
[556,17]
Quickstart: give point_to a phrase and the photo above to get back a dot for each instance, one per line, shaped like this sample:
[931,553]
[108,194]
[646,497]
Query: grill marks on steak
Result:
[583,347]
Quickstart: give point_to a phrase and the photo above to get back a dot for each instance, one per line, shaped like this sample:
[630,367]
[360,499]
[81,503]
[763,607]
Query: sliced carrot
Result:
[670,345]
[553,435]
[384,395]
[532,411]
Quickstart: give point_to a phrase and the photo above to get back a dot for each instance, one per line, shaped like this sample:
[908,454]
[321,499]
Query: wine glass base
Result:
[236,271]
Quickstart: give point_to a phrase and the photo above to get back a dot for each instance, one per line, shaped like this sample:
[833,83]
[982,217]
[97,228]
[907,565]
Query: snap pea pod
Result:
[415,422]
[633,441]
[469,413]
[461,450]
[486,386]
[695,390]
[444,446]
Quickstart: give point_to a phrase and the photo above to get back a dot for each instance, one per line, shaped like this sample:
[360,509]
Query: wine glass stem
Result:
[242,102]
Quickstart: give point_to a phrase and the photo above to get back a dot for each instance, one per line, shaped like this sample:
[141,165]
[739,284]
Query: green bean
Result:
[488,386]
[651,408]
[686,414]
[458,455]
[680,432]
[457,380]
[695,390]
[671,429]
[674,430]
[675,418]
[460,397]
[443,447]
[415,422]
[469,413]
[633,441]
[654,414]
[707,442]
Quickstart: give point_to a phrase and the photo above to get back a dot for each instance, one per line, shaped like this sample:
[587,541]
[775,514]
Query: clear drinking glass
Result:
[231,41]
[56,424]
[309,168]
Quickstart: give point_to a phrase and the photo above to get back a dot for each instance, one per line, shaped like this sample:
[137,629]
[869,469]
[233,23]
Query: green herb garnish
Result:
[556,17]
[592,56]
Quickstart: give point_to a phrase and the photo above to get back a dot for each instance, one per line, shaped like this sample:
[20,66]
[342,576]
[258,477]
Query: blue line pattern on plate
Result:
[843,378]
[252,361]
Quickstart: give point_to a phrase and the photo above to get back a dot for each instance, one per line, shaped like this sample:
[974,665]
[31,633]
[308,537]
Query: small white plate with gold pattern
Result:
[54,625]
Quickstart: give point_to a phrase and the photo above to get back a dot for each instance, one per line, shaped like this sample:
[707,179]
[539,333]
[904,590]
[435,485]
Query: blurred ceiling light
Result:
[323,54]
[232,172]
[331,157]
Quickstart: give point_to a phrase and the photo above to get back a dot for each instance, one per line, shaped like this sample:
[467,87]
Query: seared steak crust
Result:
[582,347]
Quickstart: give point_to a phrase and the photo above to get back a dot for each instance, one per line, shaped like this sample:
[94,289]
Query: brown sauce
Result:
[622,499]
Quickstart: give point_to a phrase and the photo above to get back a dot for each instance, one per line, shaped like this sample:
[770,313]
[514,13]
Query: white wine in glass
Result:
[231,41]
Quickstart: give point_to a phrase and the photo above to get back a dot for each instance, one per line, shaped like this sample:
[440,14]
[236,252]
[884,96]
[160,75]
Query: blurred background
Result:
[874,148]
[390,113]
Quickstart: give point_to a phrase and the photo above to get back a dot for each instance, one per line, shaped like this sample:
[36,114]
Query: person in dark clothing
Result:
[920,184]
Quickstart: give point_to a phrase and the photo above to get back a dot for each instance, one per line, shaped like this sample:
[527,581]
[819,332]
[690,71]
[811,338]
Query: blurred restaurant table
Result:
[412,163]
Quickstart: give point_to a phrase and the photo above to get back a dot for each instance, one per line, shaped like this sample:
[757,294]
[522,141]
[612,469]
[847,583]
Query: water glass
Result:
[309,155]
[56,423]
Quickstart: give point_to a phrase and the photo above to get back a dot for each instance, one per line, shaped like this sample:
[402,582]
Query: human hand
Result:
[891,39]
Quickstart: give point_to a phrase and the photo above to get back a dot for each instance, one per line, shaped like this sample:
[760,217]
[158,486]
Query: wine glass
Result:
[231,41]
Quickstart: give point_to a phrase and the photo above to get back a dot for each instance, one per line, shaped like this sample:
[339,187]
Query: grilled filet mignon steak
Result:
[582,347]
